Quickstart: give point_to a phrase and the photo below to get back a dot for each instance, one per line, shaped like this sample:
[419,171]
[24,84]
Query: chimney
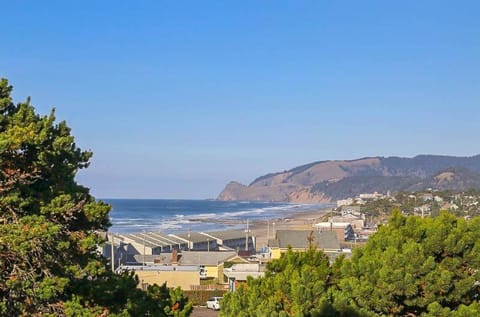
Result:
[174,256]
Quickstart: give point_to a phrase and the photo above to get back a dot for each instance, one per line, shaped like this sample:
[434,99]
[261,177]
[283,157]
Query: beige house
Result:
[343,230]
[238,273]
[185,277]
[210,263]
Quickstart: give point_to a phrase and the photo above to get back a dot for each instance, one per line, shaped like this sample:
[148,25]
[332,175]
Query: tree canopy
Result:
[416,266]
[50,228]
[297,284]
[411,267]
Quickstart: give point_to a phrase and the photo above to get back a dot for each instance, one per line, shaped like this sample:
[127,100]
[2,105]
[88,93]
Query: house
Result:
[343,230]
[211,263]
[357,222]
[184,277]
[301,240]
[373,196]
[238,273]
[449,206]
[427,197]
[424,209]
[344,202]
[351,210]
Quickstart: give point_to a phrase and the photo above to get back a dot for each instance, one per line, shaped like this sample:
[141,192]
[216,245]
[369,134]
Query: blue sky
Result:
[176,98]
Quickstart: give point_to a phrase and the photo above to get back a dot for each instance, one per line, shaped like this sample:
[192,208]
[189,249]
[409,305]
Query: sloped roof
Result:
[273,243]
[242,276]
[205,258]
[163,258]
[299,239]
[225,234]
[192,236]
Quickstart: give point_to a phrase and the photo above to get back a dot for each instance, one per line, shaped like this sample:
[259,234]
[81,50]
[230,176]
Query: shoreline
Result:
[262,228]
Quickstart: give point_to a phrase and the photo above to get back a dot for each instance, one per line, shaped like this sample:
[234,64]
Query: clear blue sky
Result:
[176,98]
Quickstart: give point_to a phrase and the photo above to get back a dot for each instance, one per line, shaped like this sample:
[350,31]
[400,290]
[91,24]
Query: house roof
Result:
[242,276]
[225,234]
[150,239]
[205,258]
[299,239]
[163,258]
[194,237]
[273,243]
[186,258]
[240,271]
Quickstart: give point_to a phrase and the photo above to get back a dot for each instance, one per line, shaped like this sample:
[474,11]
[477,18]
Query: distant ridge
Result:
[326,181]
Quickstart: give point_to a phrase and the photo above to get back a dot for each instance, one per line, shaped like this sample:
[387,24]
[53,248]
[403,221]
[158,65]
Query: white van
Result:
[214,303]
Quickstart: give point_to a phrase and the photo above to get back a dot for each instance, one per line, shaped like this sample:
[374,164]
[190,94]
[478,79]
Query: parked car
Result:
[214,303]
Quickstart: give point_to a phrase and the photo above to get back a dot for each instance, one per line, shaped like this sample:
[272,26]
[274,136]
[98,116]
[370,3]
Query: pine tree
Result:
[50,228]
[416,266]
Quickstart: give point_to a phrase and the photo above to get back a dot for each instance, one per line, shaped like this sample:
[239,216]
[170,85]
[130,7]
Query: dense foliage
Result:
[294,285]
[417,266]
[50,225]
[411,267]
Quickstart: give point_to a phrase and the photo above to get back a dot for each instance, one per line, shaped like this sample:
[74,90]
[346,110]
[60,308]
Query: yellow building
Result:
[210,263]
[169,267]
[185,277]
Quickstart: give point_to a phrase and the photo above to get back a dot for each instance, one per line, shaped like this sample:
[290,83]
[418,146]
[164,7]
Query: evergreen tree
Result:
[414,267]
[50,228]
[297,284]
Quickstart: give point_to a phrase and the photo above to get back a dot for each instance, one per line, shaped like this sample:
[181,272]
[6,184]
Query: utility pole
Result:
[246,236]
[143,248]
[268,229]
[112,243]
[331,219]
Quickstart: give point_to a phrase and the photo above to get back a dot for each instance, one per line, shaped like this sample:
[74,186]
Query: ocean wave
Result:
[168,225]
[180,216]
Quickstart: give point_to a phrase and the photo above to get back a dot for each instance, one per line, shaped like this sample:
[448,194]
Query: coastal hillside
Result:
[327,181]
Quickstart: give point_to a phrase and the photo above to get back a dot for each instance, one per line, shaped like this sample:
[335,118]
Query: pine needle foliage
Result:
[50,225]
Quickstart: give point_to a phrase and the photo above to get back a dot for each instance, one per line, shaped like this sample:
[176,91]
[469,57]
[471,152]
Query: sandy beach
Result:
[264,229]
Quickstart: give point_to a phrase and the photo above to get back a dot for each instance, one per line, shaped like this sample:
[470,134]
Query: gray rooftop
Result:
[194,237]
[225,234]
[163,258]
[299,239]
[273,243]
[242,276]
[205,258]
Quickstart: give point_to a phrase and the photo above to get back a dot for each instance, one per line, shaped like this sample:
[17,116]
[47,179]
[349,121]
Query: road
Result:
[203,312]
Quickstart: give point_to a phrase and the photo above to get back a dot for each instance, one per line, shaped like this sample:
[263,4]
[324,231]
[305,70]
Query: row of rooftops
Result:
[156,239]
[186,258]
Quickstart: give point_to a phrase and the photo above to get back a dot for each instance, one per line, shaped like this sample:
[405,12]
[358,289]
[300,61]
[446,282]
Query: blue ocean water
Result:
[170,216]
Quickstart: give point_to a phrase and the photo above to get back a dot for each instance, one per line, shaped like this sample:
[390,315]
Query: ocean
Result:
[173,216]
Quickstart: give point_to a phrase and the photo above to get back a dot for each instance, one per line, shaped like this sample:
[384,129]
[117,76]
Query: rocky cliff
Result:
[327,181]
